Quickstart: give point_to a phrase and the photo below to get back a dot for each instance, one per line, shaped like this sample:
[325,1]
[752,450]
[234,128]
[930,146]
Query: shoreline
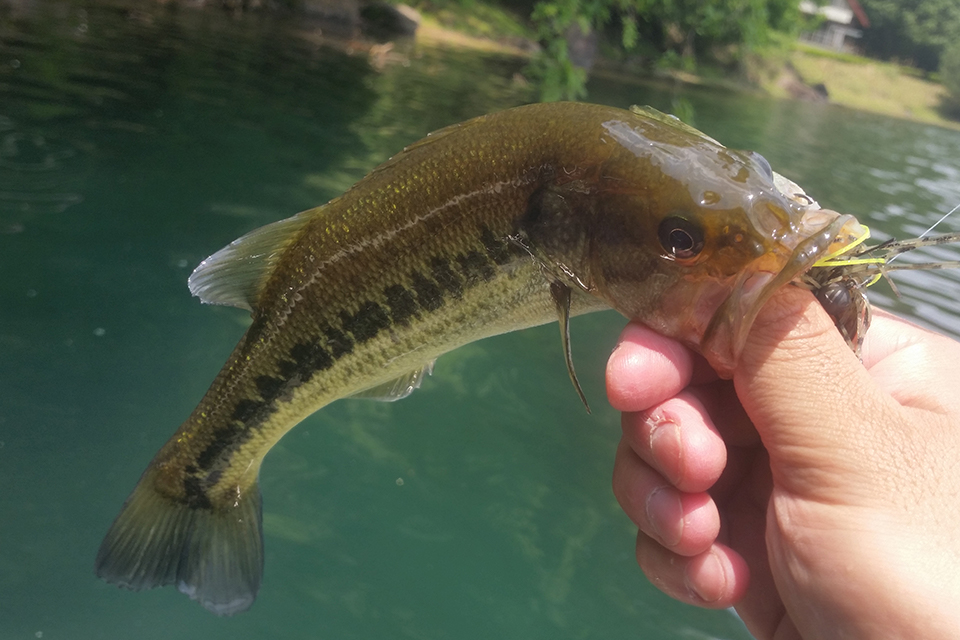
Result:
[856,83]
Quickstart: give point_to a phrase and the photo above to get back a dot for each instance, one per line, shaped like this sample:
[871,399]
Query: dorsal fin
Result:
[439,134]
[671,120]
[236,274]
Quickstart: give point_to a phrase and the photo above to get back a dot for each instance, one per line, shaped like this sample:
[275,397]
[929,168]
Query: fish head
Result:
[700,237]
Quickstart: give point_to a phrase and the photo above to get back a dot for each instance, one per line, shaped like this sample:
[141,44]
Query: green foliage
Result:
[559,78]
[481,19]
[911,31]
[681,32]
[683,109]
[950,77]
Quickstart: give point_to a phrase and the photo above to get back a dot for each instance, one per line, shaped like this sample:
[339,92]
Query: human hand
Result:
[818,496]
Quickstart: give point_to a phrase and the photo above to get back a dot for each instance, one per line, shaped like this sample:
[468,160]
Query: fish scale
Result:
[358,313]
[504,222]
[342,336]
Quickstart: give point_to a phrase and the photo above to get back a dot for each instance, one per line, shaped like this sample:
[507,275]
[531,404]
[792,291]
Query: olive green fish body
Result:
[372,286]
[500,223]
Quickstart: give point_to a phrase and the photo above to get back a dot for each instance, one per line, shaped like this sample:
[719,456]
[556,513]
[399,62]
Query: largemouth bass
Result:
[500,223]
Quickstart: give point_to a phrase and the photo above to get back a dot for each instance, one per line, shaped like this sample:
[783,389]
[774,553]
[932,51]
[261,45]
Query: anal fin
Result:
[561,296]
[398,388]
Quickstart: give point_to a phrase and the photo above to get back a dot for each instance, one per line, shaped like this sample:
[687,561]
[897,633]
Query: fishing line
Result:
[932,227]
[942,218]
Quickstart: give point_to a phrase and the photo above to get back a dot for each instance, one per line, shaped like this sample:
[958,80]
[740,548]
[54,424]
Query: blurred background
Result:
[136,138]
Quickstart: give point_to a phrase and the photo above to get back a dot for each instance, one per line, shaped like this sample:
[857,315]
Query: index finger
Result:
[646,368]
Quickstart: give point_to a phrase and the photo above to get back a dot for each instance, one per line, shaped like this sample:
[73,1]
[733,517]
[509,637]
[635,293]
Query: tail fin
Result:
[215,556]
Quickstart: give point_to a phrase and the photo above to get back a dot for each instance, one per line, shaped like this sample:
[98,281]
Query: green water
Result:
[135,142]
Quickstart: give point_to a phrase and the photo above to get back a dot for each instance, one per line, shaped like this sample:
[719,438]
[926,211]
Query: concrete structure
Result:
[843,21]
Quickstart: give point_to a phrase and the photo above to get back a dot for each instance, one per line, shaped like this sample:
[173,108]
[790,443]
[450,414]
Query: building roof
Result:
[838,11]
[860,13]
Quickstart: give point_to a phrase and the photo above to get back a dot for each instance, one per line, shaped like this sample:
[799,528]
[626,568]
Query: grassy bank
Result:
[478,26]
[869,85]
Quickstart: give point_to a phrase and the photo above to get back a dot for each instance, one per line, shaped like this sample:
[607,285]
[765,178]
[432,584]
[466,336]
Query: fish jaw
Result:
[820,231]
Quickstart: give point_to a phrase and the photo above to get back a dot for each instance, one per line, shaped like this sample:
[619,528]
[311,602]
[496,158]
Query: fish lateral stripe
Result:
[446,278]
[306,360]
[339,343]
[476,268]
[429,295]
[249,413]
[403,304]
[472,268]
[499,249]
[225,439]
[270,387]
[195,493]
[367,322]
[247,410]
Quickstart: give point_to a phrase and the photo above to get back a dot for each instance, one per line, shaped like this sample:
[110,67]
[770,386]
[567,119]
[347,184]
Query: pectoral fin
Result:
[398,388]
[561,296]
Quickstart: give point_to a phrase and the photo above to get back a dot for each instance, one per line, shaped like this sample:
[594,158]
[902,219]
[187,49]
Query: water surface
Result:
[133,143]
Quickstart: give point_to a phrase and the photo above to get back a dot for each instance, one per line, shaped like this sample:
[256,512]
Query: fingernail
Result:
[665,442]
[665,515]
[711,580]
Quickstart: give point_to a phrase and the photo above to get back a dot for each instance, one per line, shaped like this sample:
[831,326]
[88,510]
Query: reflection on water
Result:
[136,140]
[38,175]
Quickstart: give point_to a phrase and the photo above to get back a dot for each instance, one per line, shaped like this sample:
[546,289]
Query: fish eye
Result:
[681,238]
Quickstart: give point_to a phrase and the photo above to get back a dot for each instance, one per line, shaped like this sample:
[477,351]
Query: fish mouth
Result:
[821,231]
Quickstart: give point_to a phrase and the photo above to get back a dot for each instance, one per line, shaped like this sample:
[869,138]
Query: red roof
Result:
[860,13]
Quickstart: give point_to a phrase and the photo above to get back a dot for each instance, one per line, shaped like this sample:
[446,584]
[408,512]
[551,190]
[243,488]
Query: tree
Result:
[950,77]
[681,32]
[911,31]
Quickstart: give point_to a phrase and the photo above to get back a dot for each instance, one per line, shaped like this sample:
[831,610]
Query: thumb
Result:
[813,404]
